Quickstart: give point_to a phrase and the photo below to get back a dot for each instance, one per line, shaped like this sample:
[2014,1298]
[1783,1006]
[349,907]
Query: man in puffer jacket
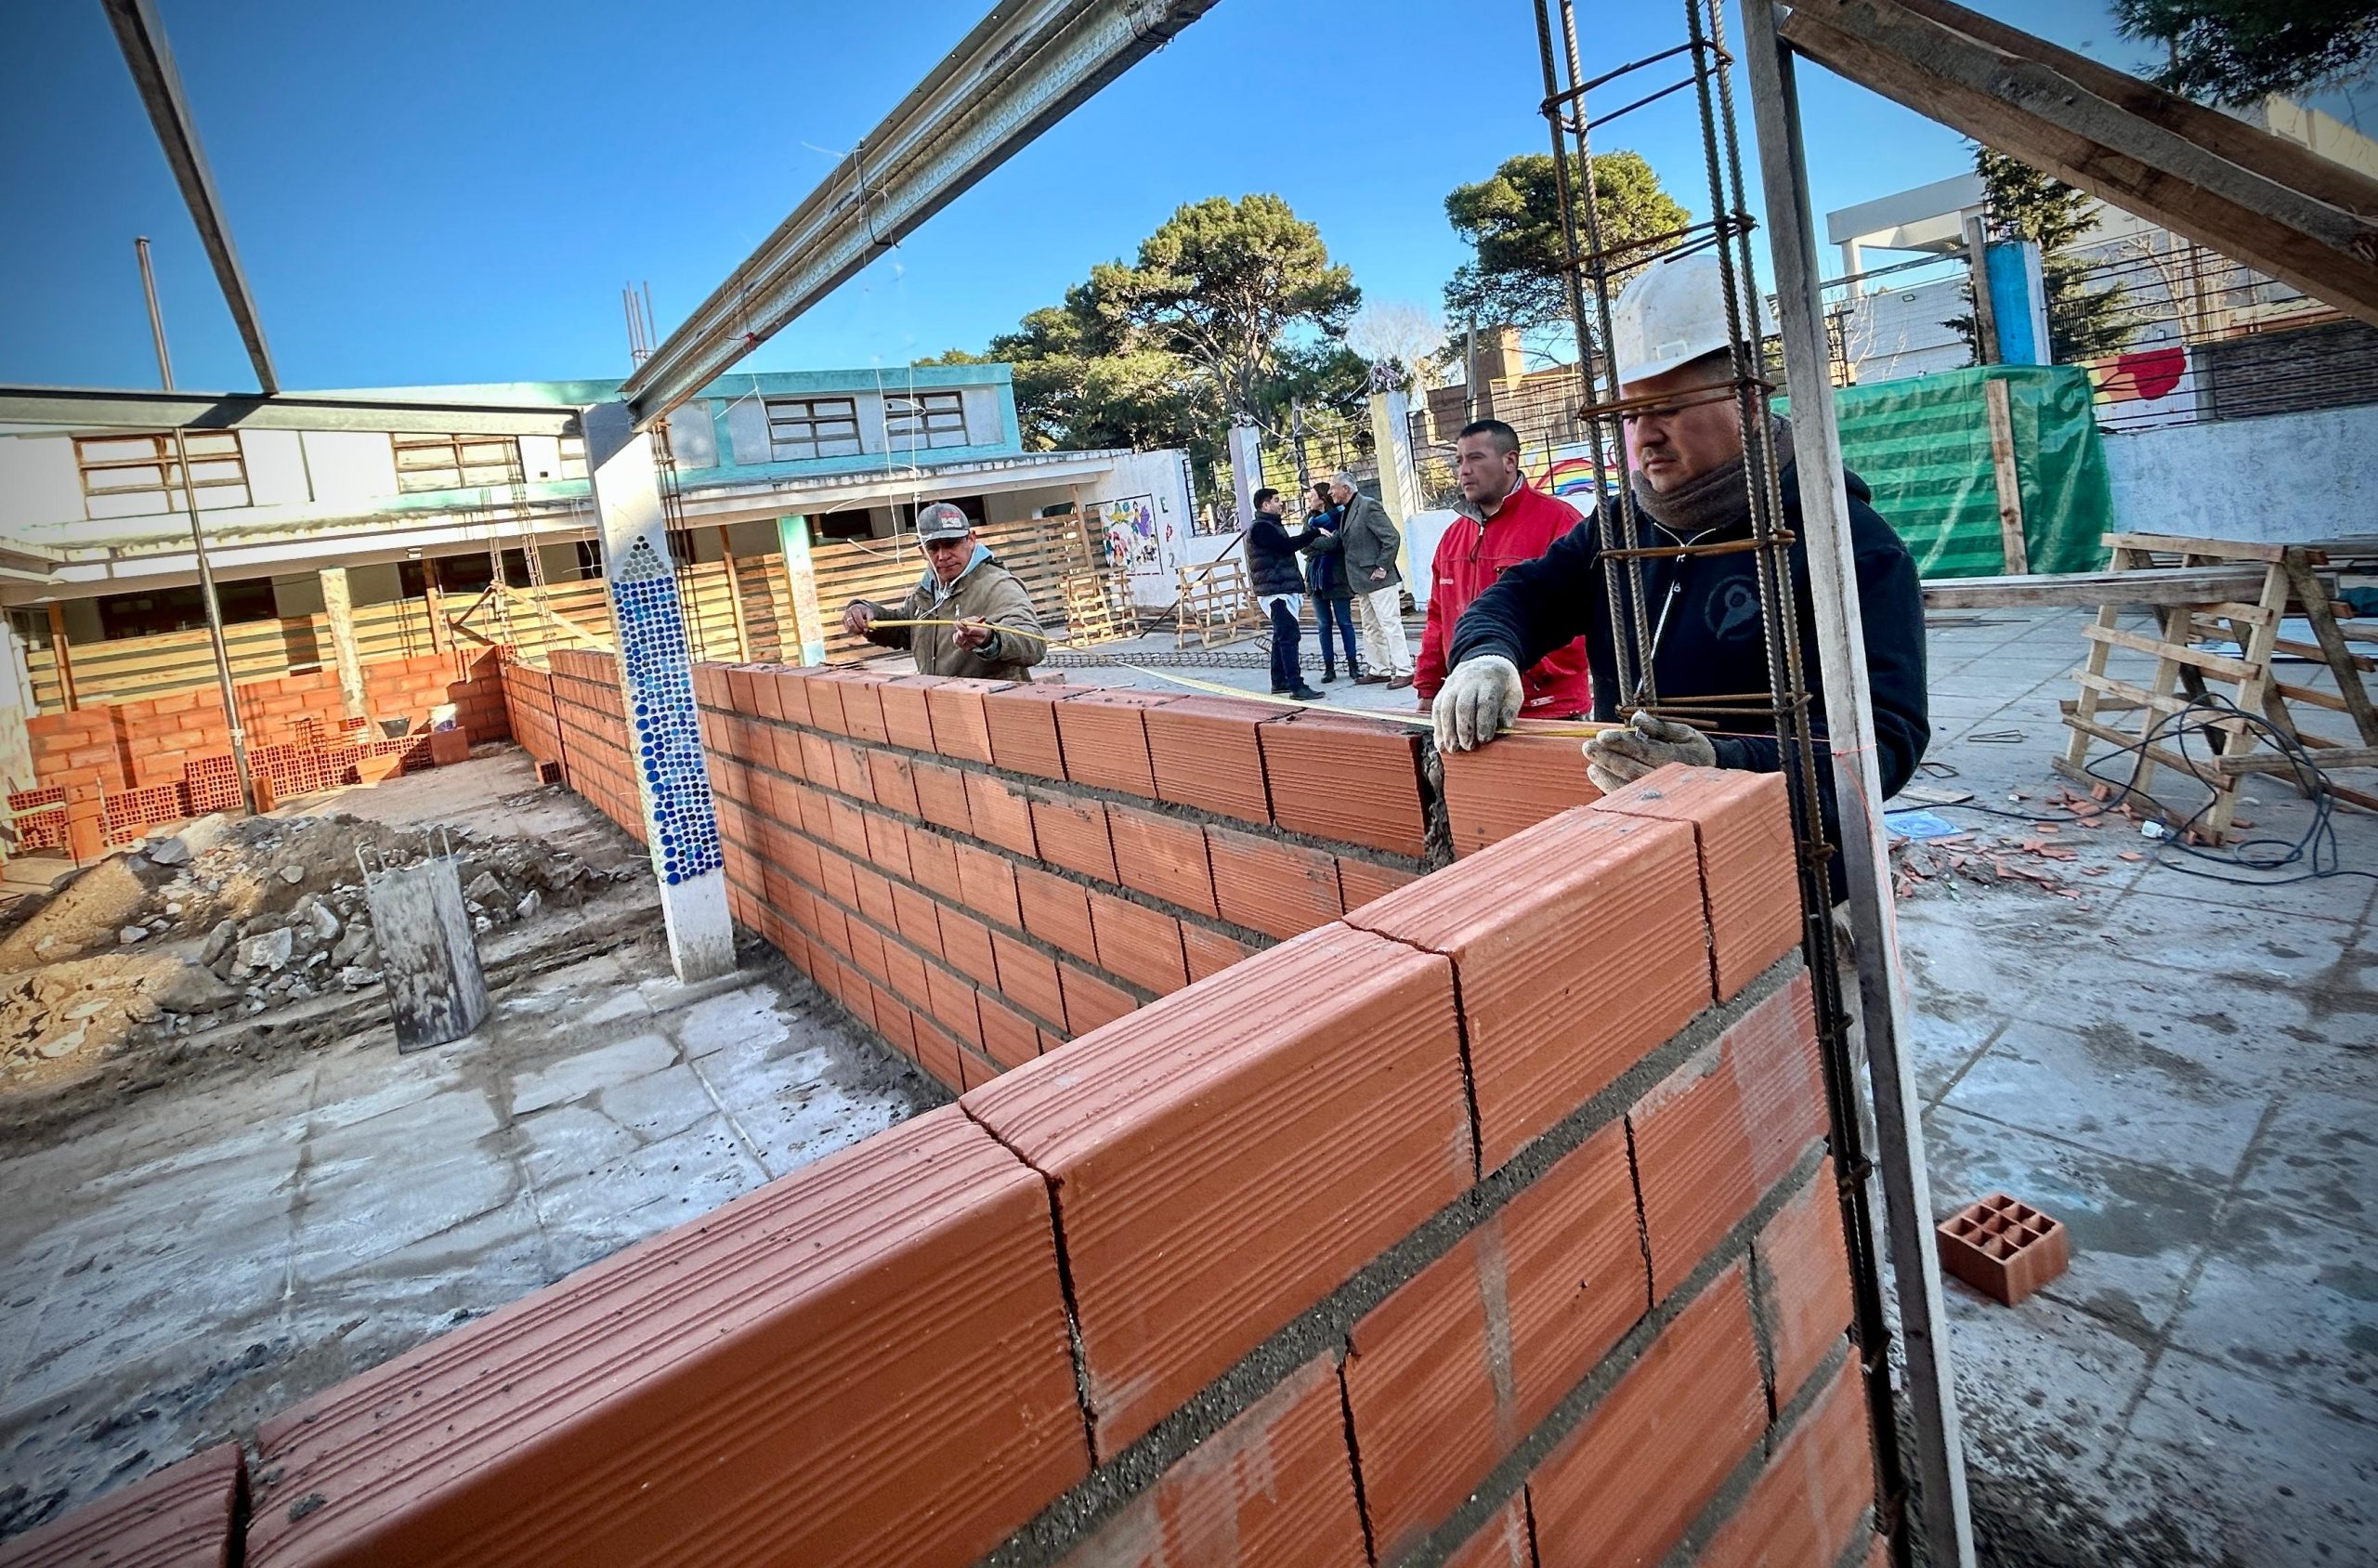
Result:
[1280,587]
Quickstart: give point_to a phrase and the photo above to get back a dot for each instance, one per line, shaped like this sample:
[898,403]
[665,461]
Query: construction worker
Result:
[1504,520]
[982,622]
[1372,544]
[1708,637]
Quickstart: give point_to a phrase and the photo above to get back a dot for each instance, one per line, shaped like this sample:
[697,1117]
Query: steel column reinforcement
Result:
[1597,269]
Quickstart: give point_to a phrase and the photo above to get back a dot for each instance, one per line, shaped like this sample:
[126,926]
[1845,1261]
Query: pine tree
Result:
[2084,321]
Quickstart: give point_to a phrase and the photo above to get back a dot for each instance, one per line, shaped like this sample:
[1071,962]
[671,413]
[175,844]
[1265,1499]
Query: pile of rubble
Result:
[2033,848]
[228,919]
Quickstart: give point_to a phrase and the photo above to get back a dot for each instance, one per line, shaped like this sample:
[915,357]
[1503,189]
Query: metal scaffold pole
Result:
[1944,1515]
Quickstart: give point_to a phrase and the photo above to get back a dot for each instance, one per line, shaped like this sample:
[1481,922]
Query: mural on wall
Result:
[1129,528]
[668,737]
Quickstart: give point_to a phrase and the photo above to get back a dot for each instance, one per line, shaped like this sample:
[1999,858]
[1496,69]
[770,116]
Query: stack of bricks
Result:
[979,871]
[84,747]
[1490,1223]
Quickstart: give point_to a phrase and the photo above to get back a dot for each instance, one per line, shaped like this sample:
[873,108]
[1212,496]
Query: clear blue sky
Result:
[443,192]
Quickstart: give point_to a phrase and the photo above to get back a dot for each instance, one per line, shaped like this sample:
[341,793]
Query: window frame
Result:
[925,418]
[795,424]
[204,449]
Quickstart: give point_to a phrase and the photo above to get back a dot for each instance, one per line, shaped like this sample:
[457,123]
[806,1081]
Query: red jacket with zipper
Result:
[1469,557]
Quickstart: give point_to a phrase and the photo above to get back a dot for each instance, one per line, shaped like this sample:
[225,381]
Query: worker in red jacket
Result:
[1508,521]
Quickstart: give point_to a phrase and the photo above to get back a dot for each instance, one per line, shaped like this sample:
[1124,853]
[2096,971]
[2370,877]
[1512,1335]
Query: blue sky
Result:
[444,192]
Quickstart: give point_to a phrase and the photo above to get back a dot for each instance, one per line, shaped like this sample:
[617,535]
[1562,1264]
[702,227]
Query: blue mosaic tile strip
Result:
[651,625]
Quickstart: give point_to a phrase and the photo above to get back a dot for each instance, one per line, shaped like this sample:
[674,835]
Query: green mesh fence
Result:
[1923,446]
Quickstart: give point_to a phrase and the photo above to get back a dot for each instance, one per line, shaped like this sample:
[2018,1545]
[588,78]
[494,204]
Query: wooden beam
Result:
[2011,100]
[2010,484]
[2193,586]
[338,607]
[65,659]
[735,599]
[2190,545]
[434,591]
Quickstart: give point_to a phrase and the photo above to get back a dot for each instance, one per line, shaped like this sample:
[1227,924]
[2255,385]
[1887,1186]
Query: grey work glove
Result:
[1621,756]
[1480,695]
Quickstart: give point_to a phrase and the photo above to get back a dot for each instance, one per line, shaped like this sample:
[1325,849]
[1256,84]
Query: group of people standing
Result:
[1342,554]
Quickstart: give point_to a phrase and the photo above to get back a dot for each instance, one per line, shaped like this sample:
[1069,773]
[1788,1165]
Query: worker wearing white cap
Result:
[1671,342]
[978,620]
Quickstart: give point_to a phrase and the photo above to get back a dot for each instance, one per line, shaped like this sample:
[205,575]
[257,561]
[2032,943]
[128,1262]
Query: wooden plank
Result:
[2316,653]
[2312,695]
[735,600]
[2213,664]
[61,650]
[2343,664]
[2164,755]
[2089,590]
[2010,484]
[2327,756]
[2133,697]
[2190,545]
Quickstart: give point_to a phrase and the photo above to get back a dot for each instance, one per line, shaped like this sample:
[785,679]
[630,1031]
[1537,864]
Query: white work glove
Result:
[1480,695]
[1621,756]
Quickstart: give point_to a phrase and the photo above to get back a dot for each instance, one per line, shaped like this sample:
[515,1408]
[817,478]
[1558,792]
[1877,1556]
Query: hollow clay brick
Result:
[1502,1542]
[1279,889]
[1808,1503]
[1723,1128]
[933,864]
[178,1517]
[1002,815]
[904,974]
[908,720]
[837,877]
[866,951]
[1430,1414]
[988,883]
[851,776]
[689,1400]
[1163,856]
[875,899]
[941,796]
[1070,830]
[826,703]
[1361,881]
[1742,824]
[917,918]
[889,780]
[960,727]
[767,701]
[1205,753]
[1008,1037]
[1354,780]
[1573,1274]
[1029,977]
[1023,727]
[1056,911]
[937,1053]
[817,759]
[1105,740]
[975,1068]
[1510,785]
[1231,1153]
[1090,1002]
[1537,926]
[1139,943]
[1209,952]
[1623,1486]
[1274,1488]
[895,1023]
[792,694]
[787,749]
[1800,1266]
[887,843]
[966,943]
[2004,1248]
[862,705]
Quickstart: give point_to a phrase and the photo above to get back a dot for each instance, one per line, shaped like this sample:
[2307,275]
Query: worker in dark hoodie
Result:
[1685,451]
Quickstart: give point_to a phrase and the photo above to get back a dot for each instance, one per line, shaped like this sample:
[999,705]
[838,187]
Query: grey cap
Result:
[941,520]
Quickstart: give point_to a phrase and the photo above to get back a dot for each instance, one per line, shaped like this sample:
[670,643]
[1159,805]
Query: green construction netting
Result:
[1923,446]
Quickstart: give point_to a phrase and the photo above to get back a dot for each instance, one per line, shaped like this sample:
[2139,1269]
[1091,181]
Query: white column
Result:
[1246,467]
[656,687]
[1399,484]
[338,607]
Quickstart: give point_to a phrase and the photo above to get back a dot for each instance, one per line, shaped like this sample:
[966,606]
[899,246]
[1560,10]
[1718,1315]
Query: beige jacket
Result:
[986,592]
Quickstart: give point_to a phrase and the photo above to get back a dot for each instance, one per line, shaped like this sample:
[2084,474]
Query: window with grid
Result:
[802,427]
[445,462]
[573,458]
[925,419]
[140,477]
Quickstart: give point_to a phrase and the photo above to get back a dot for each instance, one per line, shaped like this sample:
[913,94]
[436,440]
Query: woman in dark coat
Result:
[1333,597]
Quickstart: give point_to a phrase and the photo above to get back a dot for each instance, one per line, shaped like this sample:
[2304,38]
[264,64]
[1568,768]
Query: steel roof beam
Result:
[142,38]
[88,407]
[1024,67]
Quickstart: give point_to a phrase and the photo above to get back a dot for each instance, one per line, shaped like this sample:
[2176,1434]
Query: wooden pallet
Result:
[1098,608]
[2185,674]
[1217,607]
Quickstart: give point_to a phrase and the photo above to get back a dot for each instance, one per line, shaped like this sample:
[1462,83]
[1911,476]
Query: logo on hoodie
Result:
[1732,611]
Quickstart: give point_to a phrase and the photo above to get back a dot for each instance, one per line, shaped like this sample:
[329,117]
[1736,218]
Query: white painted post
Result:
[801,587]
[338,607]
[657,687]
[1399,482]
[1246,467]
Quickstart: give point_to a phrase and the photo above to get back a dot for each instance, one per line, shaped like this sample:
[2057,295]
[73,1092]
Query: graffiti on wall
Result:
[1128,528]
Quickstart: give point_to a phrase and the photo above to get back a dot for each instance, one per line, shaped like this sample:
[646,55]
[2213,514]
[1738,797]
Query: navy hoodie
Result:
[1712,642]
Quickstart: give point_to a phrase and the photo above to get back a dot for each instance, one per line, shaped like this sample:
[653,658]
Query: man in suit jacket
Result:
[1372,544]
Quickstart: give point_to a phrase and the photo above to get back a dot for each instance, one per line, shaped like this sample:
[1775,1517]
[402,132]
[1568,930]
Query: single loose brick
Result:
[959,727]
[1090,1002]
[1580,945]
[1510,785]
[1057,911]
[689,1400]
[1279,889]
[1023,727]
[1502,1542]
[1273,1489]
[1231,1153]
[1807,1504]
[1801,1265]
[1071,833]
[1163,856]
[1205,753]
[1105,740]
[180,1516]
[1002,815]
[1725,1127]
[1356,780]
[1137,943]
[1742,824]
[1431,1411]
[1623,1486]
[1573,1271]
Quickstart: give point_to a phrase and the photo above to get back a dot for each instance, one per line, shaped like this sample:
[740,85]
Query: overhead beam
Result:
[101,409]
[142,38]
[1024,67]
[2233,188]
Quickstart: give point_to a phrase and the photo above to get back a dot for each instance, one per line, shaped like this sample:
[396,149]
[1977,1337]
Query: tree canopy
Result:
[1514,220]
[2235,51]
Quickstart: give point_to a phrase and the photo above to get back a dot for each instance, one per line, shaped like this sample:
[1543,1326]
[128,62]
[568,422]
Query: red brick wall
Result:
[1489,1223]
